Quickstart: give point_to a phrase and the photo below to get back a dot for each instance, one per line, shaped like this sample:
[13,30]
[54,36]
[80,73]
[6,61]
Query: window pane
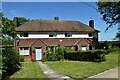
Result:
[25,48]
[90,34]
[52,34]
[83,48]
[24,51]
[68,34]
[25,34]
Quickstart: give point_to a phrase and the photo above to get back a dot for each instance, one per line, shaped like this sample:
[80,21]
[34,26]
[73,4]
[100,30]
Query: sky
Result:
[74,11]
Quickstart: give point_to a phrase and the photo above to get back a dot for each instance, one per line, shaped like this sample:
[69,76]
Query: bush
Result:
[59,53]
[21,58]
[96,55]
[52,57]
[10,62]
[44,59]
[56,55]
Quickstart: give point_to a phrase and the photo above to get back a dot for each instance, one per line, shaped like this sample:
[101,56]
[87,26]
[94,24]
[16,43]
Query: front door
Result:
[38,54]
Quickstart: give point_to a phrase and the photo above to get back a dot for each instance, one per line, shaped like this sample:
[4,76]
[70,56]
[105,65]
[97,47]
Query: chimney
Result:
[15,20]
[56,18]
[91,23]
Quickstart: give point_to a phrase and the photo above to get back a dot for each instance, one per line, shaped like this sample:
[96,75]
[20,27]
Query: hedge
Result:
[96,55]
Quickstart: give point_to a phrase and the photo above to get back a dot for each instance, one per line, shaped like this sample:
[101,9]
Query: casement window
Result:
[83,48]
[52,34]
[23,34]
[90,34]
[24,51]
[51,48]
[68,34]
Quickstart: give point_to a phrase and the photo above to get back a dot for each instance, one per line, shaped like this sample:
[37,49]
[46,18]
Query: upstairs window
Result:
[24,35]
[90,34]
[52,34]
[68,34]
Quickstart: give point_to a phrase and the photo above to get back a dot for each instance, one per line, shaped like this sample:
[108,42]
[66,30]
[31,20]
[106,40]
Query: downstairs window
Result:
[24,51]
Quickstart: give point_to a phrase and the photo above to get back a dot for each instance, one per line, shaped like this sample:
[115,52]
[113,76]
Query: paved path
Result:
[52,74]
[110,74]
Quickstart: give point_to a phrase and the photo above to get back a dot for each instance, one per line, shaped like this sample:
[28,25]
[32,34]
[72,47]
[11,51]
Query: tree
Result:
[111,13]
[10,62]
[8,28]
[22,20]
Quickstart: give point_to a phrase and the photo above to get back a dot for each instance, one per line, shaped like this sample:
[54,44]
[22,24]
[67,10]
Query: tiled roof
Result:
[55,25]
[49,42]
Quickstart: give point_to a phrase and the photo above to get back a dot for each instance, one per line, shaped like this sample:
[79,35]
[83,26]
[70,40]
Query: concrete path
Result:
[52,74]
[110,74]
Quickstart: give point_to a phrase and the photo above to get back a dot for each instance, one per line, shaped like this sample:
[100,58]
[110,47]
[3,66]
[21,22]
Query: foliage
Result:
[44,59]
[68,50]
[104,45]
[111,13]
[11,61]
[55,55]
[8,27]
[21,58]
[95,55]
[52,57]
[60,53]
[7,41]
[22,20]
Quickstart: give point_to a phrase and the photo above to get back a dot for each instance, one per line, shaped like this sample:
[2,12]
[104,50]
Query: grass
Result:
[81,69]
[29,70]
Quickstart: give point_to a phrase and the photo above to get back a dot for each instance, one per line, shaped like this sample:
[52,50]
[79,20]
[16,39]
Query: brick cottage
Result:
[37,36]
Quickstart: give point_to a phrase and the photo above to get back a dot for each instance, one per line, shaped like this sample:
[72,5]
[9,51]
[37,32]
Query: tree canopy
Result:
[111,13]
[22,20]
[8,28]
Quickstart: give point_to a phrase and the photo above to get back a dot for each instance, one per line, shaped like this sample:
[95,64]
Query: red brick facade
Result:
[32,44]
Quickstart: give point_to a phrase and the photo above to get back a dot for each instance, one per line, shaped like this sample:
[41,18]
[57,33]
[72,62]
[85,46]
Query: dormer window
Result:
[52,34]
[24,35]
[68,34]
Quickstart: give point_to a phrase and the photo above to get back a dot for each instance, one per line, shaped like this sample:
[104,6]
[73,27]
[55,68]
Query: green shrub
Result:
[68,49]
[59,53]
[56,55]
[99,55]
[96,55]
[44,59]
[52,57]
[21,58]
[10,62]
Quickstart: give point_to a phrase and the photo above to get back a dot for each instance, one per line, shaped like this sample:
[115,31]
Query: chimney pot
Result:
[15,20]
[56,18]
[91,23]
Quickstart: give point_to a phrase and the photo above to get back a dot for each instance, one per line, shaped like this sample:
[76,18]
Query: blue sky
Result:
[77,11]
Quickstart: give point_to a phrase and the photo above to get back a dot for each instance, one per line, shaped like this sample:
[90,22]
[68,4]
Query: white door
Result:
[38,54]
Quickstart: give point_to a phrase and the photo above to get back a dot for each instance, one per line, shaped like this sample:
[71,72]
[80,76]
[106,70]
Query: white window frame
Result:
[84,49]
[68,34]
[52,33]
[24,51]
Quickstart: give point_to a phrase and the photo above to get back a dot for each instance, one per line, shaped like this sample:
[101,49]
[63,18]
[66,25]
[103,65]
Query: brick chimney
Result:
[15,20]
[91,23]
[56,18]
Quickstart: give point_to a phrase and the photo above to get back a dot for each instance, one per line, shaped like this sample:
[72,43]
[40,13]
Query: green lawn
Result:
[29,70]
[81,69]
